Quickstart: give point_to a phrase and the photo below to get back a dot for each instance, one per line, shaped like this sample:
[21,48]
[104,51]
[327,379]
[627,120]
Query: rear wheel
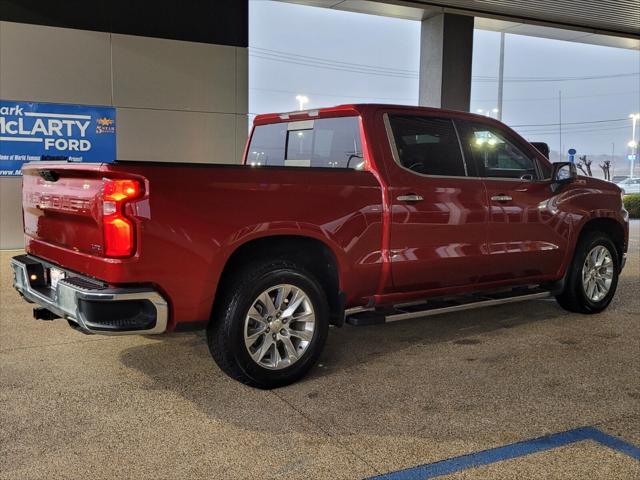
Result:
[592,278]
[270,326]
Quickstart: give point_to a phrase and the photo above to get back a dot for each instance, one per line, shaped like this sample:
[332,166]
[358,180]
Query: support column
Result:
[446,48]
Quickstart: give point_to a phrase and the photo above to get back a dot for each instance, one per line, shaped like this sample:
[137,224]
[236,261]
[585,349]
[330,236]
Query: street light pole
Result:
[302,99]
[561,153]
[501,77]
[633,143]
[613,151]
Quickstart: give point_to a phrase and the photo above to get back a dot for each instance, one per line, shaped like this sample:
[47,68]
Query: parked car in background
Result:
[619,178]
[630,185]
[358,213]
[542,147]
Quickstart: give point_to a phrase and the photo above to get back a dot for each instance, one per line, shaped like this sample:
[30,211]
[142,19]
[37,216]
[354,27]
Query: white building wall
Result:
[176,101]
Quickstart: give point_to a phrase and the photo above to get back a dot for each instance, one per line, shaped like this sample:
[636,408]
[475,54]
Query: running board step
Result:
[437,306]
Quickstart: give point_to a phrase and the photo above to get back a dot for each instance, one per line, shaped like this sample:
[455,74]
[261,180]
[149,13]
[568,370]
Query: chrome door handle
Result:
[501,198]
[410,198]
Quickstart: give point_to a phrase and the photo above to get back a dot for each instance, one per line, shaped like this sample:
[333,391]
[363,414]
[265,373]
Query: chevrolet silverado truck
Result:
[362,214]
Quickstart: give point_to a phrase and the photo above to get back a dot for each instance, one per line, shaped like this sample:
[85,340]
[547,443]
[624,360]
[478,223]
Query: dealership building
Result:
[109,80]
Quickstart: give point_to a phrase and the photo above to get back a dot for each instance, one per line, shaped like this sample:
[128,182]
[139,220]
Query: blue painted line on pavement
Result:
[616,444]
[508,452]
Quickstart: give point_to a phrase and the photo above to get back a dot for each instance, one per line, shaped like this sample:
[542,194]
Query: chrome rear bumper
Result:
[87,304]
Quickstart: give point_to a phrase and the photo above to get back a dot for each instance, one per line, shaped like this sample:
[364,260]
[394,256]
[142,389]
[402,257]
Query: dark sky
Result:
[336,57]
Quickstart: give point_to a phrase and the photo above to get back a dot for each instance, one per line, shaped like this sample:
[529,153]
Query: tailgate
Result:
[62,205]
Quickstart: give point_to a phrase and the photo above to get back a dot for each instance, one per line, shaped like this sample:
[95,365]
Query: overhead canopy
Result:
[614,23]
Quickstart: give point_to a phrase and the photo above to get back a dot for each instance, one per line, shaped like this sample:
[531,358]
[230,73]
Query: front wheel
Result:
[270,326]
[592,278]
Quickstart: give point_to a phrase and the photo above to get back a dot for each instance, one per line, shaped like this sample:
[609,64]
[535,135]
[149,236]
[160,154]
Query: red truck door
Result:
[438,227]
[524,236]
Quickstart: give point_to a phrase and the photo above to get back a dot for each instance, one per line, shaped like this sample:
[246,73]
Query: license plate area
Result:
[55,275]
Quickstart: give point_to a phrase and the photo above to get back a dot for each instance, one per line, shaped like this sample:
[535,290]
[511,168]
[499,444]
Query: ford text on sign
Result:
[48,131]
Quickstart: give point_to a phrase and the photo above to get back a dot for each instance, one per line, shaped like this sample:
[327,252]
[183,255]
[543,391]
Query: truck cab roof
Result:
[360,109]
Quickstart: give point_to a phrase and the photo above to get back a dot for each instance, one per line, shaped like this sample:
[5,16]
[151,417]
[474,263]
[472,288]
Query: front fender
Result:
[588,201]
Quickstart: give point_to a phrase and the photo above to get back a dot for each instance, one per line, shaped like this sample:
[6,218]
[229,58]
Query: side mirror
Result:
[563,172]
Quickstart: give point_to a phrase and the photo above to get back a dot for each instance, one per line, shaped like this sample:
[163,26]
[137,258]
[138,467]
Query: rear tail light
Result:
[119,237]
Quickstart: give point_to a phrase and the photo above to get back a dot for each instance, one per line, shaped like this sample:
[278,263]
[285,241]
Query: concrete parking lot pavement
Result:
[382,399]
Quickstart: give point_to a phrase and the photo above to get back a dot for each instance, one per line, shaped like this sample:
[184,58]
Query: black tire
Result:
[225,333]
[574,298]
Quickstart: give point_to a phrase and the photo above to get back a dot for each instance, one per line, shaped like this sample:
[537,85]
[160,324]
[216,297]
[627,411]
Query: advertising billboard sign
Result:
[49,131]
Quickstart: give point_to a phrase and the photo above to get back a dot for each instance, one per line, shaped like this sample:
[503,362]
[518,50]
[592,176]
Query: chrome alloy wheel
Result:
[597,273]
[279,326]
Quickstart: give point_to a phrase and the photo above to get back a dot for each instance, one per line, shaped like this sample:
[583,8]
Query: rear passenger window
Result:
[427,145]
[327,143]
[267,145]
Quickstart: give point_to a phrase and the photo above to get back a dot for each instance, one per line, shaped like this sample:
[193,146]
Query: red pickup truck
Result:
[357,213]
